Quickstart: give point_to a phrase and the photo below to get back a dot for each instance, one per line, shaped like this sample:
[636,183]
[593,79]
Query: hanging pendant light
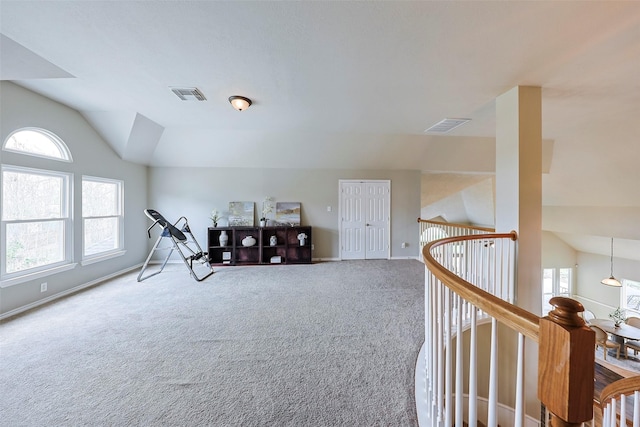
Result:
[611,281]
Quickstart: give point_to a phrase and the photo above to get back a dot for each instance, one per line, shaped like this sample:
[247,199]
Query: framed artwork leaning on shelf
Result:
[288,213]
[241,214]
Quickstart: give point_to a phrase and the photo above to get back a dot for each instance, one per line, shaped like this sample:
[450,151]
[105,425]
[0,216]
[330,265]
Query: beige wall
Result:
[194,192]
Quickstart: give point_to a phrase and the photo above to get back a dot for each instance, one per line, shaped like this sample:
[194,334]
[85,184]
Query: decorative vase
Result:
[224,239]
[248,241]
[273,240]
[215,224]
[302,242]
[263,223]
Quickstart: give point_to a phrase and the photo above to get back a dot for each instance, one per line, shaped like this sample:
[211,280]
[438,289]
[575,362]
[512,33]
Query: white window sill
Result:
[37,275]
[103,257]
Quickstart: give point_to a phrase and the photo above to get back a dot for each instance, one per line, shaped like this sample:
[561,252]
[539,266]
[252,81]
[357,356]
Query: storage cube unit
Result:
[273,245]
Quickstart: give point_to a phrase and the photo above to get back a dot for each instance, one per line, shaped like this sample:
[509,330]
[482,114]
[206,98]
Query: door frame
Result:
[388,226]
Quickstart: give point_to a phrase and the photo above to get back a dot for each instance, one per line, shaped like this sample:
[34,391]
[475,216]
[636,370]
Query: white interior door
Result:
[364,219]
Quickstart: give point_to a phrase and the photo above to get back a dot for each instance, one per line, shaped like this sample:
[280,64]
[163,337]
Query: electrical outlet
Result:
[43,287]
[404,245]
[328,208]
[313,248]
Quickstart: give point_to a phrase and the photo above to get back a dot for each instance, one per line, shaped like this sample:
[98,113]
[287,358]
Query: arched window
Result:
[37,142]
[36,221]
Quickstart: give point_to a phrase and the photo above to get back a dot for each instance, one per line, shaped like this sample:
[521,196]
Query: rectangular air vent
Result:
[188,93]
[446,125]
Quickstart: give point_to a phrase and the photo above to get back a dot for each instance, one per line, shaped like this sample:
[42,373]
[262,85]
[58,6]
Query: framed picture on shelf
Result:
[288,213]
[241,214]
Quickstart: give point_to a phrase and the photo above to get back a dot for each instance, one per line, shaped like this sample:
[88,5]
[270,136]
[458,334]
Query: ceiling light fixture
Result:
[240,103]
[611,281]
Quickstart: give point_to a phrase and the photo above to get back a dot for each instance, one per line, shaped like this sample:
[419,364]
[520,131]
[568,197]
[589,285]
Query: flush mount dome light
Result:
[240,103]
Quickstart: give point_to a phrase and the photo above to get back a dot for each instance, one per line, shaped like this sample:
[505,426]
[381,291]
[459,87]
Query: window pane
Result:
[632,290]
[32,196]
[564,286]
[34,244]
[100,235]
[99,198]
[36,142]
[547,281]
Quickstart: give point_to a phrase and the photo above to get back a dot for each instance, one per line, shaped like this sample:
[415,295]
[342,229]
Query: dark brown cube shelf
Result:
[287,250]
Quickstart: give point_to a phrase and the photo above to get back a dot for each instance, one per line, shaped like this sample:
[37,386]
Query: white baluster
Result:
[459,367]
[473,370]
[448,403]
[492,420]
[519,412]
[605,415]
[636,408]
[439,354]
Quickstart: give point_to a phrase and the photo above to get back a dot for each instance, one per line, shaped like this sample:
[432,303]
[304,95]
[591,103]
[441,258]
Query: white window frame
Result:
[624,293]
[555,286]
[119,216]
[65,154]
[13,278]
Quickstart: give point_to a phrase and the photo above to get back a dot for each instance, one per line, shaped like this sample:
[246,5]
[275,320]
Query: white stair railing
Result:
[488,261]
[470,285]
[620,403]
[454,305]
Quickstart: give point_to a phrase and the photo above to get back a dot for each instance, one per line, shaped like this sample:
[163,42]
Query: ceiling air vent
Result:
[446,125]
[188,93]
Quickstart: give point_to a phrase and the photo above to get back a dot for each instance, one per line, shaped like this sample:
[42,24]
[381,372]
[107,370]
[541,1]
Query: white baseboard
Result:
[65,293]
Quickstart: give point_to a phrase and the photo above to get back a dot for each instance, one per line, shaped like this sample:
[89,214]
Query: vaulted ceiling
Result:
[346,84]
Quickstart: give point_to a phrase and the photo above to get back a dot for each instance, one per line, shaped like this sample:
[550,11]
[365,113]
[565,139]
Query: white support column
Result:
[519,186]
[519,201]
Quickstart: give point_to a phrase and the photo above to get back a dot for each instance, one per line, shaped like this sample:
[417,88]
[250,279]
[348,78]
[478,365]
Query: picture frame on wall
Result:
[288,213]
[241,214]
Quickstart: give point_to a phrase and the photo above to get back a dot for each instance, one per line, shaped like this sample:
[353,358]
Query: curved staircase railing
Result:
[469,294]
[620,403]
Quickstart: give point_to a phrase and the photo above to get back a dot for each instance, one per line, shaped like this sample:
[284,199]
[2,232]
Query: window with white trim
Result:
[630,297]
[35,220]
[37,142]
[102,216]
[555,282]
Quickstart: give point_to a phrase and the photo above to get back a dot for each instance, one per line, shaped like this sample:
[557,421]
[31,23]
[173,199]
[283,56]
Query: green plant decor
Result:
[618,316]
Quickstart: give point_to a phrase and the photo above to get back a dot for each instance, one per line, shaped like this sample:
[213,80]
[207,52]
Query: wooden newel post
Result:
[566,362]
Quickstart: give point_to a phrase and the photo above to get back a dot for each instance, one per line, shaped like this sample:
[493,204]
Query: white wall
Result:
[194,192]
[556,253]
[595,296]
[91,156]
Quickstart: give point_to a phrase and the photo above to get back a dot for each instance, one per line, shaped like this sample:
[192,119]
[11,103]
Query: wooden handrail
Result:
[513,316]
[624,386]
[452,224]
[566,345]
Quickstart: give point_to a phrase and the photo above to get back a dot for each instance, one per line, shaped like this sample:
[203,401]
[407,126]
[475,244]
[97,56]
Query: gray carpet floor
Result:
[327,344]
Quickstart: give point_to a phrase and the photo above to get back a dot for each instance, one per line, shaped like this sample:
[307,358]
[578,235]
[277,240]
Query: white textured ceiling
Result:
[343,84]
